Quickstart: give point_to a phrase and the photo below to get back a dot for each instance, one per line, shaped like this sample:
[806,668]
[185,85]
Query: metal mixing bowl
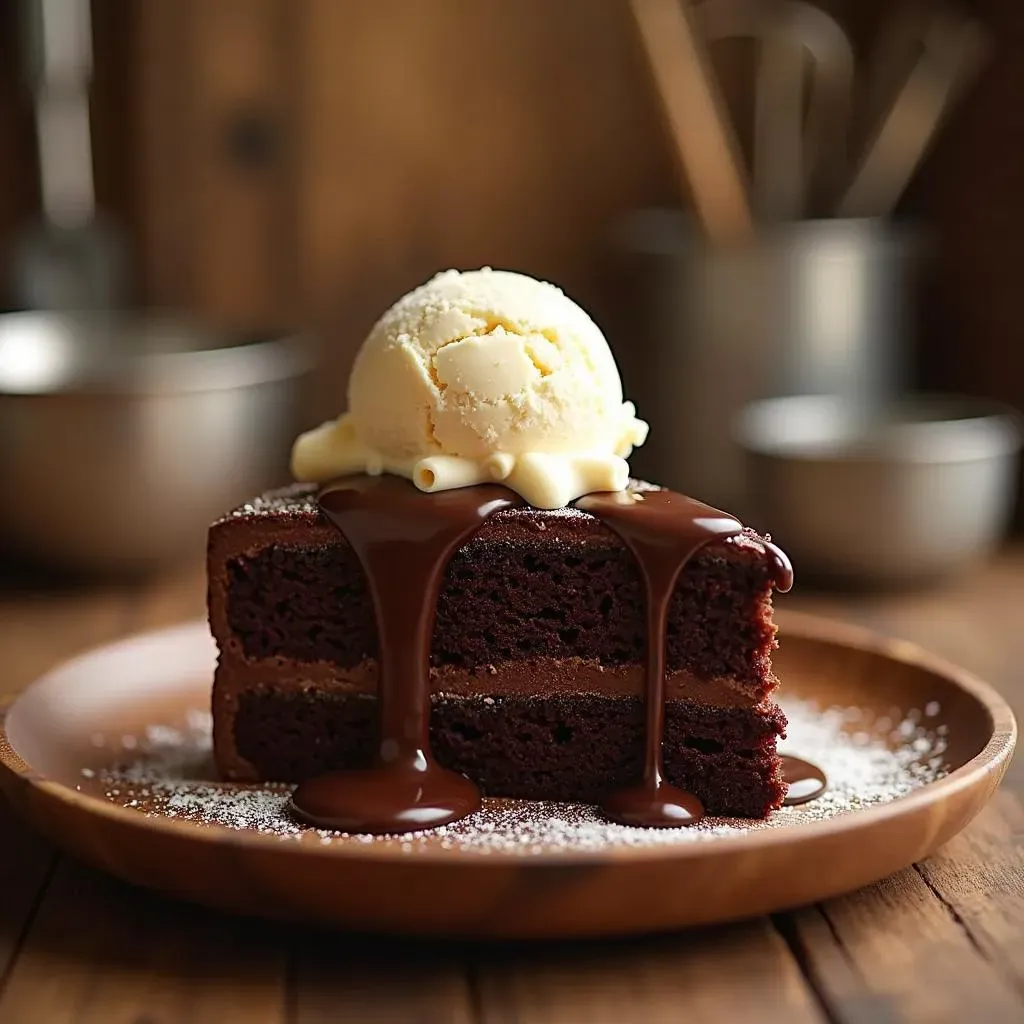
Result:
[916,490]
[122,437]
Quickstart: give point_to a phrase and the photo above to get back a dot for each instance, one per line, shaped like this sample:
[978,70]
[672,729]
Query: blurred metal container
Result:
[918,490]
[122,437]
[813,307]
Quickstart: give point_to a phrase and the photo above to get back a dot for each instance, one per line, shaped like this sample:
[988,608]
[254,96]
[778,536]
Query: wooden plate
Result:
[71,720]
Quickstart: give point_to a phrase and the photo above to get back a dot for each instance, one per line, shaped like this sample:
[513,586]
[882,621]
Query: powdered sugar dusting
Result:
[294,501]
[868,760]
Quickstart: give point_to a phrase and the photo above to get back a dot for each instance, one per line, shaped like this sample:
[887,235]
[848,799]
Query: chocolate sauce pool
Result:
[404,540]
[805,781]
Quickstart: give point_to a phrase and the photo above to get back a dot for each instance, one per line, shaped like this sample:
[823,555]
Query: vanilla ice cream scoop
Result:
[484,376]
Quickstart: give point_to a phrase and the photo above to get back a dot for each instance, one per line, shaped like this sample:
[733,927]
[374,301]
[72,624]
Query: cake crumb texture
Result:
[577,747]
[507,601]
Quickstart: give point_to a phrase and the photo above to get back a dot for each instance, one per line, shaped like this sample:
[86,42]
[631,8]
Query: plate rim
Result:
[992,759]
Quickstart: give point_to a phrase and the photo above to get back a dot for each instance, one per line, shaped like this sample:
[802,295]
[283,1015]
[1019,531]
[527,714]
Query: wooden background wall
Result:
[280,162]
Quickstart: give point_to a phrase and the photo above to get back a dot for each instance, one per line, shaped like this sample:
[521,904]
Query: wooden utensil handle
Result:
[701,134]
[952,56]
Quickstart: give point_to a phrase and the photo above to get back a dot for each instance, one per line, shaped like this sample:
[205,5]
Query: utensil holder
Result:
[813,307]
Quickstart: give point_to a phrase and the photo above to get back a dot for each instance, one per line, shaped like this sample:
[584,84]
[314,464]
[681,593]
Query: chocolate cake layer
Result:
[530,585]
[571,748]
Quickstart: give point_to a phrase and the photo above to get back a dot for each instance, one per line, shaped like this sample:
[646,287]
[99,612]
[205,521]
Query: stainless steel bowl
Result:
[917,490]
[122,437]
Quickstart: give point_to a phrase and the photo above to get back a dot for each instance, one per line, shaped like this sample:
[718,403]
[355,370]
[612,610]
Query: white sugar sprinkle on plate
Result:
[172,772]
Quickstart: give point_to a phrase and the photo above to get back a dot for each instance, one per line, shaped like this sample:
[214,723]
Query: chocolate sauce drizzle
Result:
[805,781]
[663,530]
[404,540]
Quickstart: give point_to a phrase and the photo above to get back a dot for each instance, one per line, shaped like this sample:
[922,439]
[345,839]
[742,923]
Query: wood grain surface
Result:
[943,941]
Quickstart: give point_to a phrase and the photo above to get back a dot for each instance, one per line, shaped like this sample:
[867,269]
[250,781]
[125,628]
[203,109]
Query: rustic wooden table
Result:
[942,941]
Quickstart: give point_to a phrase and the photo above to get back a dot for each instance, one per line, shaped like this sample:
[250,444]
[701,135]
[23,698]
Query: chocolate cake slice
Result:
[537,659]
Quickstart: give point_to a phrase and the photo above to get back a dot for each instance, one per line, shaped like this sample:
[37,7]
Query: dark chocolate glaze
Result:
[783,567]
[663,530]
[806,781]
[404,540]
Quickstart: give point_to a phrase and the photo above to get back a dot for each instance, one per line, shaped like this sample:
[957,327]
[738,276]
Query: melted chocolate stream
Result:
[806,781]
[663,530]
[404,540]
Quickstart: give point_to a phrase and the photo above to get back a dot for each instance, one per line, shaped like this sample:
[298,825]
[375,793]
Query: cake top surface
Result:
[297,504]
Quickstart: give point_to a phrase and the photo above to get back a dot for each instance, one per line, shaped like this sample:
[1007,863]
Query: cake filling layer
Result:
[537,677]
